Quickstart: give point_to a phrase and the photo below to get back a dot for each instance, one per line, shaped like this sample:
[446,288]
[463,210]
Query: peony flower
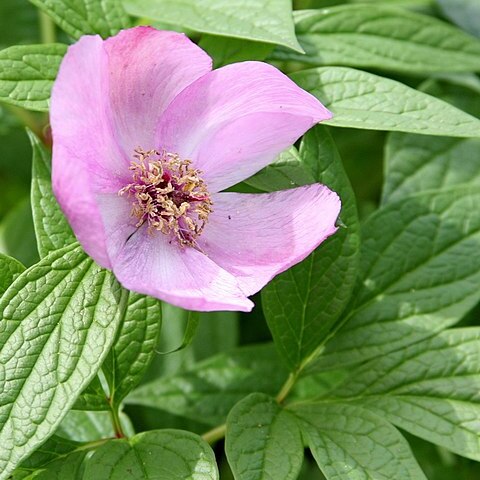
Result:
[146,137]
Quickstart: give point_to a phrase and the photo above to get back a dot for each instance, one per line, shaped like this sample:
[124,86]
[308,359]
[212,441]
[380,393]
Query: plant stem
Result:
[47,28]
[287,387]
[215,434]
[117,424]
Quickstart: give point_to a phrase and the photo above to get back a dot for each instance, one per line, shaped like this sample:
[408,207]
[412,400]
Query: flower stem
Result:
[217,433]
[47,28]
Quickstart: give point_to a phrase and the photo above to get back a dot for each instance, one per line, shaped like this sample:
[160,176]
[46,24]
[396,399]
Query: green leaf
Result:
[69,467]
[193,320]
[17,235]
[384,37]
[83,17]
[302,304]
[55,448]
[287,171]
[59,318]
[93,397]
[464,13]
[211,388]
[363,100]
[414,163]
[51,227]
[158,454]
[134,347]
[430,389]
[9,271]
[27,73]
[25,28]
[225,50]
[349,442]
[268,21]
[420,273]
[263,440]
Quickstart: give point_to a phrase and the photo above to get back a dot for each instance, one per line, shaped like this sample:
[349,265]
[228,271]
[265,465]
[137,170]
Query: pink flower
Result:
[145,138]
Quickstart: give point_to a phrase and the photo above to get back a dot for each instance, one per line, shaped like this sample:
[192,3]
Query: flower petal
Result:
[86,157]
[257,236]
[151,264]
[147,69]
[235,120]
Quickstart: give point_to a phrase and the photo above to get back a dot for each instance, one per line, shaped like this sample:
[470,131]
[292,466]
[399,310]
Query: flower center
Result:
[168,195]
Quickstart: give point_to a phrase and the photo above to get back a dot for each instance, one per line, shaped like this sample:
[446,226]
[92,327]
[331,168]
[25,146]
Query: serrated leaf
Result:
[211,388]
[27,73]
[134,347]
[349,442]
[84,17]
[263,441]
[158,454]
[420,269]
[225,50]
[51,227]
[384,37]
[59,319]
[464,13]
[303,303]
[363,100]
[430,389]
[9,271]
[414,163]
[268,21]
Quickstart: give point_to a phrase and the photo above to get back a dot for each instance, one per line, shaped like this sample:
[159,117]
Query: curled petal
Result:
[235,120]
[257,236]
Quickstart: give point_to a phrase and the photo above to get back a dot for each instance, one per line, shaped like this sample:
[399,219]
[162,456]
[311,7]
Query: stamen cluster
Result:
[169,195]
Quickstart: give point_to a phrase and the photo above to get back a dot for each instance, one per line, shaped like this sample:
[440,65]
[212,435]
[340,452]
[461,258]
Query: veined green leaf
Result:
[303,303]
[431,389]
[83,17]
[51,227]
[420,272]
[263,440]
[349,442]
[212,387]
[384,37]
[363,100]
[27,73]
[267,21]
[9,271]
[134,347]
[59,319]
[414,163]
[159,454]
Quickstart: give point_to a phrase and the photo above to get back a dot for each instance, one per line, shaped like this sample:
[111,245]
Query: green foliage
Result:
[363,100]
[83,17]
[382,37]
[27,73]
[419,274]
[464,13]
[263,440]
[303,303]
[162,454]
[9,271]
[267,21]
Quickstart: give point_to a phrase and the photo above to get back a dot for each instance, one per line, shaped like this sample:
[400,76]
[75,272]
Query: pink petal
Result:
[154,265]
[235,120]
[86,158]
[255,237]
[106,101]
[147,69]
